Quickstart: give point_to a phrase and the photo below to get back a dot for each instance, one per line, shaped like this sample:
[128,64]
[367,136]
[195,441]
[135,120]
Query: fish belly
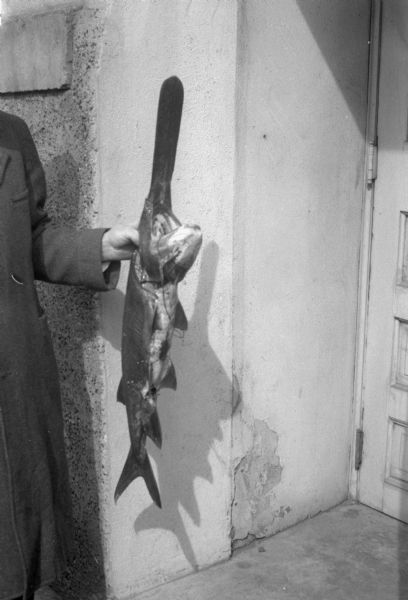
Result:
[163,328]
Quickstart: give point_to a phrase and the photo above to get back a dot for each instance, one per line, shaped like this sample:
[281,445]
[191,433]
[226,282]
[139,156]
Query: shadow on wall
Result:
[71,314]
[190,420]
[323,19]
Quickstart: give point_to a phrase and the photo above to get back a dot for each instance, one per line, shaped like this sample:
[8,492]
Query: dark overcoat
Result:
[35,511]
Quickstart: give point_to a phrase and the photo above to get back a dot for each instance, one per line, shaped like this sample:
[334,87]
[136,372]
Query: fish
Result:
[152,312]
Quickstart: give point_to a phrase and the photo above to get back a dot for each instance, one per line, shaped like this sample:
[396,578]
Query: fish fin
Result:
[150,481]
[180,319]
[170,379]
[134,469]
[120,393]
[153,429]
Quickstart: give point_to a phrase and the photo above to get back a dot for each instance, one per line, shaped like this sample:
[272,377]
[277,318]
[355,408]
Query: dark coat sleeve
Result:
[61,254]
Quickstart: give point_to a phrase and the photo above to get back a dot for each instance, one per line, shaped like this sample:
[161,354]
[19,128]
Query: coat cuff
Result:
[90,262]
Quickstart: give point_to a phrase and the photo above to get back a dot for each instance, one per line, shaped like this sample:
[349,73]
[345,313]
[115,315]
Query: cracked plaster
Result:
[255,478]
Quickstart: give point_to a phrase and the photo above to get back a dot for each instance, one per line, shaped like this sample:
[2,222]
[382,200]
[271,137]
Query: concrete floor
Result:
[348,553]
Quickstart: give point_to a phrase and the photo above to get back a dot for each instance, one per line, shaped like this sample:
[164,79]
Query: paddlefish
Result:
[167,250]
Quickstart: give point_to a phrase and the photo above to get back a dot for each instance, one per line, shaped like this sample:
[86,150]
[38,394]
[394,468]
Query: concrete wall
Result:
[14,8]
[270,165]
[301,109]
[146,42]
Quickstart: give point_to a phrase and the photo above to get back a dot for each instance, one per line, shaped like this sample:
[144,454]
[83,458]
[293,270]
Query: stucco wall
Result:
[301,97]
[63,124]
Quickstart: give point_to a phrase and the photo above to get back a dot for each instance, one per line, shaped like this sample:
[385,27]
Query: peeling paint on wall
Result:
[299,103]
[255,478]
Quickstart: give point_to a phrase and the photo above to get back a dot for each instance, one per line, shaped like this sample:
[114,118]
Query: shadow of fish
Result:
[167,249]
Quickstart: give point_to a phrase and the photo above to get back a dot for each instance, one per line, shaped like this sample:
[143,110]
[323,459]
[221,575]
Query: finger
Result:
[133,235]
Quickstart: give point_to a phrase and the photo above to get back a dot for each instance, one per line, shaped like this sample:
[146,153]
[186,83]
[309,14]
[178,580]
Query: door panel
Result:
[383,480]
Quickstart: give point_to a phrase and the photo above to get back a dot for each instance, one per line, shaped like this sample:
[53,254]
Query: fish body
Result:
[152,311]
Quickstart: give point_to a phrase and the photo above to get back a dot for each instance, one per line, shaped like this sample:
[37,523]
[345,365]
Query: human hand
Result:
[119,242]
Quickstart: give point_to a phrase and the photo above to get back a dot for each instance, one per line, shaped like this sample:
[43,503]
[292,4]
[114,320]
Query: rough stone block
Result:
[36,53]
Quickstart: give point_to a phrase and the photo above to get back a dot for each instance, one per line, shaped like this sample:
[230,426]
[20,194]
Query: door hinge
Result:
[358,456]
[372,162]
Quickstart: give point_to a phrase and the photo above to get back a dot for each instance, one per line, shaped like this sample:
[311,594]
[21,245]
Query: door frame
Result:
[366,243]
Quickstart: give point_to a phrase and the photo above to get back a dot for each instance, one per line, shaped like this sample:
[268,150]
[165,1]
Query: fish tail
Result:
[133,469]
[153,429]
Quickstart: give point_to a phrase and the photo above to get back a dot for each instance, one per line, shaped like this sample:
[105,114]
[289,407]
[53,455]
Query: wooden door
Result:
[383,477]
